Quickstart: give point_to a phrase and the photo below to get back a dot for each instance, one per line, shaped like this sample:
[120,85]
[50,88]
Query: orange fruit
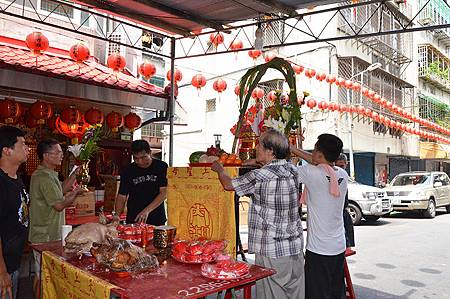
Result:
[229,161]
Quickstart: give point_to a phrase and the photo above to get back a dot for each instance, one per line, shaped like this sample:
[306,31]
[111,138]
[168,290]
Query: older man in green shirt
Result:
[49,197]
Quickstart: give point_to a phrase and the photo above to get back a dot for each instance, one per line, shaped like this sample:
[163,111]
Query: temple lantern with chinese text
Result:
[71,115]
[79,53]
[94,116]
[220,85]
[198,81]
[116,62]
[132,121]
[10,110]
[147,70]
[37,42]
[41,111]
[114,120]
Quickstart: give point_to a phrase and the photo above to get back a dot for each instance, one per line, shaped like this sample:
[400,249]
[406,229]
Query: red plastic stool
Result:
[349,291]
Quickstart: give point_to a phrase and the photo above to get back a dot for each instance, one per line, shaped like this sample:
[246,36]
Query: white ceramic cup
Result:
[65,230]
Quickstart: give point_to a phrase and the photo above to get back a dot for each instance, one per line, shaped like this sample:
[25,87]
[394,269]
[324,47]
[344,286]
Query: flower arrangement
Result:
[88,146]
[282,115]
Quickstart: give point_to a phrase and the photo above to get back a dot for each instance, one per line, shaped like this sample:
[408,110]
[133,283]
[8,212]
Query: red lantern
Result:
[94,116]
[343,108]
[360,109]
[37,42]
[332,106]
[375,116]
[395,108]
[348,84]
[219,85]
[340,81]
[356,86]
[167,89]
[376,98]
[311,103]
[41,111]
[365,91]
[73,131]
[114,120]
[10,110]
[236,44]
[71,115]
[116,62]
[298,69]
[310,73]
[268,56]
[371,94]
[389,104]
[367,111]
[216,38]
[257,93]
[132,121]
[237,89]
[271,96]
[383,102]
[177,74]
[147,70]
[254,54]
[300,100]
[321,76]
[322,105]
[198,81]
[331,79]
[79,53]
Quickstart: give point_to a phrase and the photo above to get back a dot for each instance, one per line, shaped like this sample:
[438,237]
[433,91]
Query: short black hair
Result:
[330,146]
[44,146]
[277,142]
[139,146]
[8,137]
[342,157]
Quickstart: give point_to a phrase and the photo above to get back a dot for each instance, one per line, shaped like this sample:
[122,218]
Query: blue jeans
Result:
[15,283]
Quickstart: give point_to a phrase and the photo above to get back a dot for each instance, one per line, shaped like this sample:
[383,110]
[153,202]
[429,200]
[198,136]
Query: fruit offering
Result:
[198,251]
[225,268]
[214,154]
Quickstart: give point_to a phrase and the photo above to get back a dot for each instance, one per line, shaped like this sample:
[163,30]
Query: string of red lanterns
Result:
[361,110]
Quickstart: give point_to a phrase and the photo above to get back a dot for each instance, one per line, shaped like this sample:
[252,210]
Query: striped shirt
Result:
[274,224]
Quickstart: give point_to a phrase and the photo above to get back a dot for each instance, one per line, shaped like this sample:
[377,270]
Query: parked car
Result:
[367,202]
[420,191]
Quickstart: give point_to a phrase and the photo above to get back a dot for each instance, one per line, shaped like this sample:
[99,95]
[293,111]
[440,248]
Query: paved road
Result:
[403,256]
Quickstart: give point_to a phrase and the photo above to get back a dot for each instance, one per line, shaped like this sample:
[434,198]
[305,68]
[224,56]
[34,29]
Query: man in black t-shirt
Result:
[14,202]
[144,182]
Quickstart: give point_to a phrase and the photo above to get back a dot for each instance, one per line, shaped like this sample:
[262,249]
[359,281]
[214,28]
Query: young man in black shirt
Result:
[14,202]
[144,183]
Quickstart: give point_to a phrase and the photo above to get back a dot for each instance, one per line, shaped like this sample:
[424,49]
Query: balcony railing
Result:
[434,66]
[436,12]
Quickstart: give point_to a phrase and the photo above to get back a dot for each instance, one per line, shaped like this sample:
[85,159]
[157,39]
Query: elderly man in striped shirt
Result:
[275,230]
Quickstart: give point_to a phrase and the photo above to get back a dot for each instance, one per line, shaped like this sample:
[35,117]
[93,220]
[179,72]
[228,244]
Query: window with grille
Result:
[211,105]
[152,130]
[59,9]
[112,46]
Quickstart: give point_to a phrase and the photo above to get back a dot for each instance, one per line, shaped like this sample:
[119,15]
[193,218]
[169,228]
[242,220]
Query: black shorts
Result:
[324,276]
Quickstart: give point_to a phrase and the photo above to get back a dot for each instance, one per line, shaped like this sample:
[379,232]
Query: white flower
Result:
[75,149]
[276,124]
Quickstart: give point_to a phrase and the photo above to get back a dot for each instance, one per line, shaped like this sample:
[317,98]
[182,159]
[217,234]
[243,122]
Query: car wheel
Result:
[355,213]
[371,218]
[448,208]
[430,212]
